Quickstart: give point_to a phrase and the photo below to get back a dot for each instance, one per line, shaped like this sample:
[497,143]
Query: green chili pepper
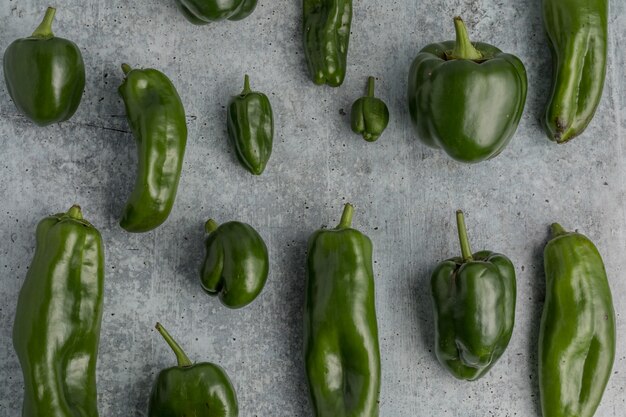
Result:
[236,263]
[198,390]
[342,356]
[157,119]
[201,12]
[251,128]
[474,307]
[369,115]
[326,37]
[578,34]
[57,322]
[577,337]
[45,75]
[466,98]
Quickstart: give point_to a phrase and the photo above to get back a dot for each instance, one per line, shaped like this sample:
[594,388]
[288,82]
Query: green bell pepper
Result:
[236,263]
[474,307]
[342,356]
[466,99]
[157,118]
[198,390]
[57,323]
[578,34]
[326,38]
[201,12]
[577,336]
[251,128]
[45,75]
[369,115]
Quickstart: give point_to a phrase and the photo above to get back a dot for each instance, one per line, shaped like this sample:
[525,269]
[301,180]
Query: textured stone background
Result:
[405,196]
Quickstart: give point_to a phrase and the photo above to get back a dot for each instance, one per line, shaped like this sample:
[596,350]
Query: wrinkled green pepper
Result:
[57,323]
[474,307]
[342,356]
[466,98]
[577,31]
[198,390]
[201,12]
[251,128]
[236,263]
[369,115]
[157,119]
[577,336]
[45,75]
[326,38]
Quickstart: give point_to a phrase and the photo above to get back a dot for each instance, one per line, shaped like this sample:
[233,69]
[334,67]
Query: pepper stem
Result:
[466,251]
[210,226]
[44,30]
[246,85]
[75,212]
[126,68]
[371,81]
[346,217]
[183,359]
[557,230]
[463,49]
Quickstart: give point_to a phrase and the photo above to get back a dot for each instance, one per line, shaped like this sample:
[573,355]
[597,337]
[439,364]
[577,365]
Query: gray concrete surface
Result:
[405,196]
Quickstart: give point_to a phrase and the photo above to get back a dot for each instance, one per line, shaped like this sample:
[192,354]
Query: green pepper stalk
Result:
[369,115]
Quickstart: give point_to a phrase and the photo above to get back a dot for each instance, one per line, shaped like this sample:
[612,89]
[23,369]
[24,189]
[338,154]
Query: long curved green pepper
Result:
[369,116]
[57,323]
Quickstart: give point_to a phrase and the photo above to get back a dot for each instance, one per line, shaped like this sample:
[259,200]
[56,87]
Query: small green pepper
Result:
[474,306]
[236,264]
[369,115]
[198,390]
[45,75]
[251,128]
[201,12]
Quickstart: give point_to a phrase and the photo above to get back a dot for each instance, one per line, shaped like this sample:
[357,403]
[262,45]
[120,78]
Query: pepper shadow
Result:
[424,315]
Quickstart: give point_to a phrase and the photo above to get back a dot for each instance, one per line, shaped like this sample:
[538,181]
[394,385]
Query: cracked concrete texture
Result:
[405,196]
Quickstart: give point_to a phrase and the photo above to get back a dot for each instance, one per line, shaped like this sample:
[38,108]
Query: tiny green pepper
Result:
[369,115]
[201,12]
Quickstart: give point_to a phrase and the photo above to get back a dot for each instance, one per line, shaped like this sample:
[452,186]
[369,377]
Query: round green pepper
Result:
[370,115]
[201,12]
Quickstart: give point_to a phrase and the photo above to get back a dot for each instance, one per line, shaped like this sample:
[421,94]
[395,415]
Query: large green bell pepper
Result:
[577,336]
[342,356]
[466,98]
[578,35]
[198,390]
[45,75]
[57,322]
[201,12]
[474,308]
[369,116]
[157,118]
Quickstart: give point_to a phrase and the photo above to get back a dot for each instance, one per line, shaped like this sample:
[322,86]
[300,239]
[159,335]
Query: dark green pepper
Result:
[474,307]
[578,35]
[198,390]
[342,356]
[326,38]
[577,337]
[466,99]
[236,263]
[251,128]
[57,323]
[157,118]
[201,12]
[369,115]
[45,75]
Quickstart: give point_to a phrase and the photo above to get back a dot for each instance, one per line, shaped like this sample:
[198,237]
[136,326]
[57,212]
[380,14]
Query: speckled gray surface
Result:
[405,196]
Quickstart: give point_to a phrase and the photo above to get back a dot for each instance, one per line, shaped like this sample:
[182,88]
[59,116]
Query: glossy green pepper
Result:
[198,390]
[251,128]
[577,336]
[57,323]
[342,356]
[466,99]
[157,118]
[236,263]
[577,31]
[201,12]
[474,307]
[369,115]
[45,75]
[326,38]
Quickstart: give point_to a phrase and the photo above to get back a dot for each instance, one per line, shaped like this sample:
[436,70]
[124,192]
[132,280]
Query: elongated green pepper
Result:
[577,31]
[57,322]
[326,38]
[342,356]
[370,115]
[577,336]
[198,390]
[157,119]
[201,12]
